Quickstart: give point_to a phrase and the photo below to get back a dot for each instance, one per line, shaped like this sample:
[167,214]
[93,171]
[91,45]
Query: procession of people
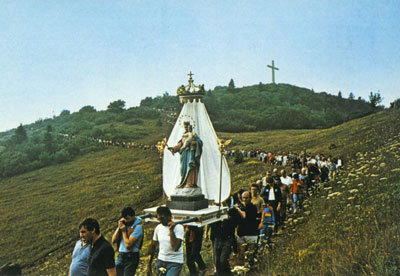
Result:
[256,215]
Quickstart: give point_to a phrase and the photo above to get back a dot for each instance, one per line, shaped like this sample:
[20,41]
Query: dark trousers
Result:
[282,215]
[127,263]
[277,214]
[223,249]
[193,250]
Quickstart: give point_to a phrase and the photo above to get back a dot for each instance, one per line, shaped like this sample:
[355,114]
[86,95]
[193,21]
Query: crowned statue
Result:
[190,148]
[194,170]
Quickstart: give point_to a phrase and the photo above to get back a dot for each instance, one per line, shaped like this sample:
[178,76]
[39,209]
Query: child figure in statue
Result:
[190,148]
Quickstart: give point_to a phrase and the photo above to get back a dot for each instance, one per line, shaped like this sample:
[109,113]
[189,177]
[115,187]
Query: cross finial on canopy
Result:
[191,85]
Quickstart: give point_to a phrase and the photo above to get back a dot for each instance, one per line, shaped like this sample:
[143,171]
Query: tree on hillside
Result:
[395,104]
[260,86]
[87,109]
[231,85]
[116,106]
[19,136]
[148,101]
[339,94]
[65,112]
[351,96]
[48,139]
[375,99]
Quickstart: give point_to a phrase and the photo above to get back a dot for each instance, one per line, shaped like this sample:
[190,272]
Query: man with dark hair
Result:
[128,236]
[256,199]
[272,194]
[80,259]
[169,236]
[313,173]
[284,200]
[101,258]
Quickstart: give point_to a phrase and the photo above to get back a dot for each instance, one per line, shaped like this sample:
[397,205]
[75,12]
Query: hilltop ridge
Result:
[272,106]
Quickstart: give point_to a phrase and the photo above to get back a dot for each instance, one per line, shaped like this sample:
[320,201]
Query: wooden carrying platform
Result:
[202,217]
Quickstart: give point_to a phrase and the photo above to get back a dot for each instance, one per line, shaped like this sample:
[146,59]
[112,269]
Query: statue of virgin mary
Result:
[190,149]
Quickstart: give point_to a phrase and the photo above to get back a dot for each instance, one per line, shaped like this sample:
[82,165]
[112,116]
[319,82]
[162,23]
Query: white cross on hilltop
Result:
[273,68]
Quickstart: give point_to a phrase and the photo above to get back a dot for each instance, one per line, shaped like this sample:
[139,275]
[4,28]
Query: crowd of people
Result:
[324,167]
[93,255]
[255,216]
[106,142]
[258,213]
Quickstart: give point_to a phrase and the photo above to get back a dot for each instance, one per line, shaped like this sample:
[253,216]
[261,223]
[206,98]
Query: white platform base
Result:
[204,216]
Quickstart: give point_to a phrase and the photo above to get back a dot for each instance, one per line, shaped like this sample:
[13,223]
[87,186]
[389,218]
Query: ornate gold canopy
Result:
[190,92]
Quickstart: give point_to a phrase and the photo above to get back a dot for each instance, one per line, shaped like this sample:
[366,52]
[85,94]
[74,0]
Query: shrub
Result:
[238,157]
[134,122]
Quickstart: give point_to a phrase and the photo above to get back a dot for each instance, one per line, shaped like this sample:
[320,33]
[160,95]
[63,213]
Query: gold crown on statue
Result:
[191,91]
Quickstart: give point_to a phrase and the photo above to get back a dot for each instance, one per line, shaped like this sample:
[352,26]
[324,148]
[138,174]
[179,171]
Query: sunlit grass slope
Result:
[42,209]
[350,226]
[360,134]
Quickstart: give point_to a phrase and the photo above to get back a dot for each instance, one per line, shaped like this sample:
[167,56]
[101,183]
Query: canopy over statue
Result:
[200,144]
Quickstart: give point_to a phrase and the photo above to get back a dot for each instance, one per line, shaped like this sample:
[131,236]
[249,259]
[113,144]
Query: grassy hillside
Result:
[42,209]
[45,206]
[252,108]
[65,137]
[350,226]
[357,135]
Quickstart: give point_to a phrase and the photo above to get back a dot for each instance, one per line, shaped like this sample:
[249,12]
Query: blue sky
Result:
[57,55]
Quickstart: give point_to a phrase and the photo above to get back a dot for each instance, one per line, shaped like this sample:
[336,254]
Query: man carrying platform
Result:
[128,236]
[169,237]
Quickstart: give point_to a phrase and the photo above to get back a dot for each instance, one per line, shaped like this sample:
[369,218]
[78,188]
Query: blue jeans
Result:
[266,232]
[173,269]
[297,200]
[294,202]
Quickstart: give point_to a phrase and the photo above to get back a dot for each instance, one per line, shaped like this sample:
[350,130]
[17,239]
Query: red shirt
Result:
[295,187]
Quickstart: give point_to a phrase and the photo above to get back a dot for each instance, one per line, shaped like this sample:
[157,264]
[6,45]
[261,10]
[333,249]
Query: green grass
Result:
[42,209]
[356,232]
[362,134]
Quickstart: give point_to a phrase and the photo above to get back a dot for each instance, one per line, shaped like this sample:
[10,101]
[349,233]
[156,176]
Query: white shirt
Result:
[271,195]
[166,253]
[264,181]
[286,180]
